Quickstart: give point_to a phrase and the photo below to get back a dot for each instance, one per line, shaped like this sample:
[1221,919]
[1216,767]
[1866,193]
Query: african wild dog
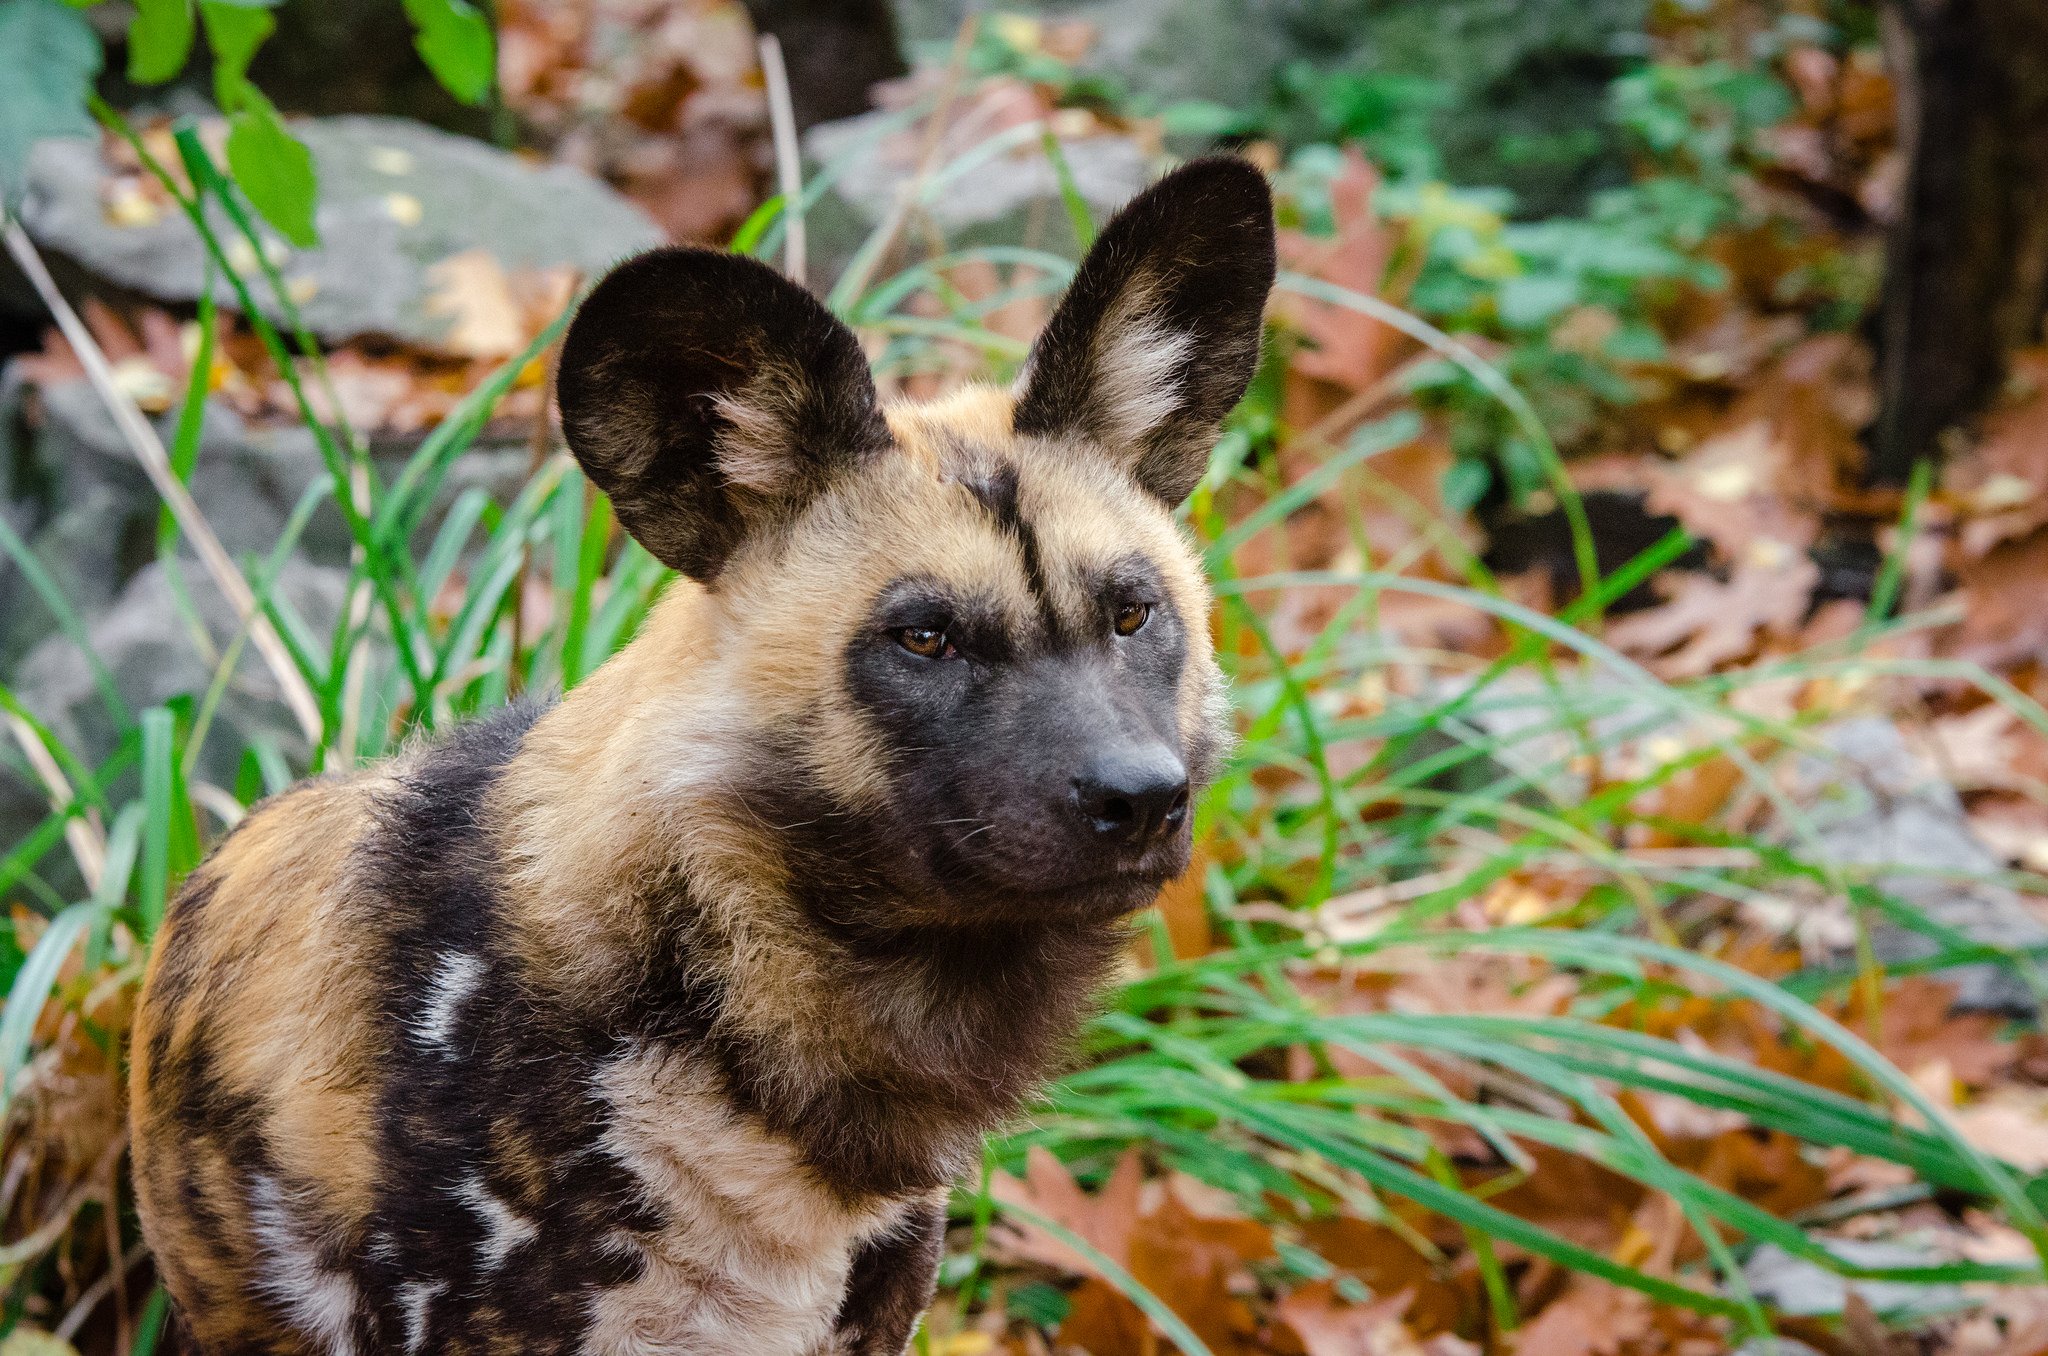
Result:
[659,1020]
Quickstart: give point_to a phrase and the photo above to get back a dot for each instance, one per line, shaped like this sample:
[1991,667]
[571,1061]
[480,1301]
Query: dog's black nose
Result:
[1132,796]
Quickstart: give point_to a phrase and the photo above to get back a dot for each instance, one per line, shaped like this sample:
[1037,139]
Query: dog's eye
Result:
[923,643]
[1131,618]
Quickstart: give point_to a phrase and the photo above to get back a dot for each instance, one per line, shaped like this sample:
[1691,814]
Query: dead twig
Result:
[142,440]
[789,168]
[927,161]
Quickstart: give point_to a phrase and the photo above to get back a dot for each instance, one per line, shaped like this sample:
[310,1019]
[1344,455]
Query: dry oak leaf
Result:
[1765,1167]
[2012,1322]
[2011,1123]
[2013,826]
[1194,1265]
[1190,1262]
[1106,1219]
[1592,1318]
[1573,1198]
[472,291]
[1328,1326]
[2001,481]
[1729,490]
[1350,349]
[1386,1263]
[1916,1027]
[2003,620]
[1707,623]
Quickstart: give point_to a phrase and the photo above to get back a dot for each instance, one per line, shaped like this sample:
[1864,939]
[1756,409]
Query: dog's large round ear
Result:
[1159,335]
[709,397]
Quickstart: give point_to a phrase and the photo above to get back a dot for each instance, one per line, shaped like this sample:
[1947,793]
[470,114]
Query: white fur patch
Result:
[754,448]
[504,1229]
[756,1253]
[321,1303]
[455,979]
[1136,366]
[414,1297]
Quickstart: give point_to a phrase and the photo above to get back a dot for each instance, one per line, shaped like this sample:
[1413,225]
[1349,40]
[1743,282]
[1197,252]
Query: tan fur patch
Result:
[301,1046]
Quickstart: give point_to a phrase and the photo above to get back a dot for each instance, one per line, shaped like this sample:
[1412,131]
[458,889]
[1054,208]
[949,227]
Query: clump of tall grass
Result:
[1345,836]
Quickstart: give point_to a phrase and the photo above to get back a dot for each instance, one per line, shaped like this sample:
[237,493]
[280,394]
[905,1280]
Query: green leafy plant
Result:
[50,56]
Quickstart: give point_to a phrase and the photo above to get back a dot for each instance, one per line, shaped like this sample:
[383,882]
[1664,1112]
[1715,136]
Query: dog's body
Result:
[659,1021]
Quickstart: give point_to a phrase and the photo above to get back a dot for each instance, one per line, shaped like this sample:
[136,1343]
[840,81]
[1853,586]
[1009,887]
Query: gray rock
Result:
[1875,804]
[1108,170]
[396,197]
[1793,1285]
[143,641]
[1869,801]
[88,513]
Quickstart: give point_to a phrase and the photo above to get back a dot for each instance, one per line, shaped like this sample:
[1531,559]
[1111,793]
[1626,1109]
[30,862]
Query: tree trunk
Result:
[1966,277]
[835,50]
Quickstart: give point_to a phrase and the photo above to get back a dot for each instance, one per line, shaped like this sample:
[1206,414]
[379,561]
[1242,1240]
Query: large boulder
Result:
[396,200]
[75,494]
[143,642]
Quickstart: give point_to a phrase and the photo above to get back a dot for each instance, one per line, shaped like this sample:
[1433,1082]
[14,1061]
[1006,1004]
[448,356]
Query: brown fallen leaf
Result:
[2003,620]
[1386,1263]
[472,291]
[2012,1322]
[2013,826]
[1195,1265]
[1729,490]
[1765,1167]
[2000,481]
[2010,1122]
[1917,1027]
[1329,1326]
[663,99]
[1349,349]
[1592,1318]
[1864,1334]
[1106,1219]
[1707,623]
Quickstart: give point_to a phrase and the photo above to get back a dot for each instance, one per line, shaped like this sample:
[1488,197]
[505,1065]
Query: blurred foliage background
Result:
[1620,928]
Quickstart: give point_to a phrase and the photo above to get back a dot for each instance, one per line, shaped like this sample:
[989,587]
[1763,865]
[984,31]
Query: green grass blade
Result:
[159,779]
[1070,192]
[68,619]
[32,986]
[756,225]
[1493,381]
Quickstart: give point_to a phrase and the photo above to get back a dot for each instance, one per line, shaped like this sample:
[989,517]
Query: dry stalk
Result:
[149,450]
[84,836]
[789,168]
[50,1230]
[927,160]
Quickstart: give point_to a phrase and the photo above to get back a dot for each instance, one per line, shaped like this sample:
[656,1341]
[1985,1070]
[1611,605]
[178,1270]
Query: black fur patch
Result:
[493,1095]
[893,1279]
[653,348]
[1200,241]
[997,493]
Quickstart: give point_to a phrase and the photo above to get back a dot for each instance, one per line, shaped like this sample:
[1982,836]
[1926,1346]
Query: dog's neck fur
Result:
[651,894]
